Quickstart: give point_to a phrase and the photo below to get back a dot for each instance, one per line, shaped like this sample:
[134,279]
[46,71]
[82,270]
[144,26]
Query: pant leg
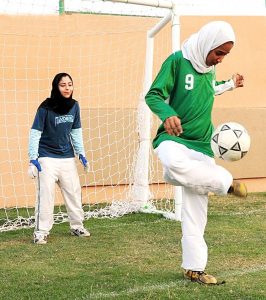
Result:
[71,191]
[198,175]
[194,220]
[194,170]
[44,206]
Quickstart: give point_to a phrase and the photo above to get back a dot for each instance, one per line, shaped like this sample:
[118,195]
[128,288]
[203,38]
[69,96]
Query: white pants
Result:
[198,175]
[62,171]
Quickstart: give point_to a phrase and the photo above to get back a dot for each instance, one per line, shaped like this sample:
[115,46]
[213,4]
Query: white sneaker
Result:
[39,238]
[81,232]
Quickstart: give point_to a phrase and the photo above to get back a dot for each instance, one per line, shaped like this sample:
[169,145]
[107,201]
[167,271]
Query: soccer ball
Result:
[230,141]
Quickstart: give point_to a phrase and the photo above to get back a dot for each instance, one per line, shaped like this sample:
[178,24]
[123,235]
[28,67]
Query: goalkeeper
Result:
[182,96]
[55,138]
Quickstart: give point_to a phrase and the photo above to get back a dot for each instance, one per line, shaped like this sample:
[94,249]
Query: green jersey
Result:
[190,95]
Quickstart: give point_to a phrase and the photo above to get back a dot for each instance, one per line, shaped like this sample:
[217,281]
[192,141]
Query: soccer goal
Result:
[113,50]
[112,59]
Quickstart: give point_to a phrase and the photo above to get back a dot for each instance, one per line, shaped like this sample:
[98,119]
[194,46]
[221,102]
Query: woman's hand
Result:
[172,125]
[238,80]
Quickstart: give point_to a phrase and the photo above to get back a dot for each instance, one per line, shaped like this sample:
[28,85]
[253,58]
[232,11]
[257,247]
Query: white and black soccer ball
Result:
[230,141]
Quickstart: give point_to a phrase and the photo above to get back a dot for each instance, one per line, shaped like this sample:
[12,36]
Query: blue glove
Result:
[33,167]
[36,164]
[84,162]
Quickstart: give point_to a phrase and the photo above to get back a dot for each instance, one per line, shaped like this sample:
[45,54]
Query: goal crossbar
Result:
[205,7]
[153,3]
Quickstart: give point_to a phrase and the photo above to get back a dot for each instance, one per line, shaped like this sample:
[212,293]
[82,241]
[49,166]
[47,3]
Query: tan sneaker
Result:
[238,189]
[199,277]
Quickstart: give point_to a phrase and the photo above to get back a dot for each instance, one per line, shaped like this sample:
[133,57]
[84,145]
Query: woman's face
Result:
[65,86]
[217,55]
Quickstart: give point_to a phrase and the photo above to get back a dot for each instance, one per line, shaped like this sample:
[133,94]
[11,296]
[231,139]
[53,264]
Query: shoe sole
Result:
[40,242]
[79,235]
[202,279]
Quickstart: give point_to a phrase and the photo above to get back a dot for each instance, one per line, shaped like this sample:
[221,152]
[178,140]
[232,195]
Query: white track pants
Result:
[62,171]
[198,175]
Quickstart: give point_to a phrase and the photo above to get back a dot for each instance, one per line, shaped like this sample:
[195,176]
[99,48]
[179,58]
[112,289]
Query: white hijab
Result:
[197,47]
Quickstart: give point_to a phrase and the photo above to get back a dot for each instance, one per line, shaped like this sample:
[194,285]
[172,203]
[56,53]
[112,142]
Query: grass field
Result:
[138,256]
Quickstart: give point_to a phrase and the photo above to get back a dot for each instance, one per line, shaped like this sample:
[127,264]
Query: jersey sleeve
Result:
[76,133]
[36,133]
[34,140]
[77,141]
[161,88]
[39,120]
[223,86]
[77,119]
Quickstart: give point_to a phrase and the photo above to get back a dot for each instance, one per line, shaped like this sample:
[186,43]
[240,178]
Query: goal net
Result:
[106,57]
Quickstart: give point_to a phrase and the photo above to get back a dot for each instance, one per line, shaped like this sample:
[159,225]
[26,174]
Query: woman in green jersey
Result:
[187,80]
